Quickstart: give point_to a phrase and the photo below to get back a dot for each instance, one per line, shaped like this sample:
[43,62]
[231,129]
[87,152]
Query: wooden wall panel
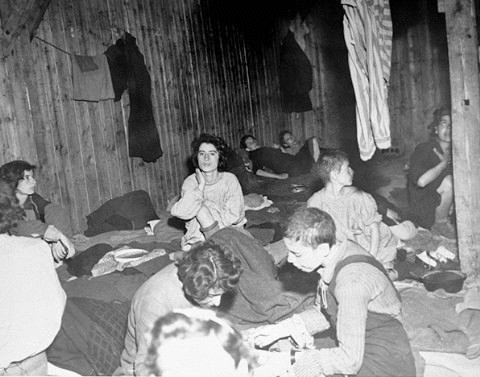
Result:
[208,75]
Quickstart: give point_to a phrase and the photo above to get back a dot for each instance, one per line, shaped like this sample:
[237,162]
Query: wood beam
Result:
[465,93]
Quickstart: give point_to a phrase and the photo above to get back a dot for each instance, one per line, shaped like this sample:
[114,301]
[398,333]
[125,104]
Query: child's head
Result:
[331,162]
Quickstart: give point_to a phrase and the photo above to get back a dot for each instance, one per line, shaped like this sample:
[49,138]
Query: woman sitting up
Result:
[31,297]
[42,218]
[430,184]
[354,211]
[211,198]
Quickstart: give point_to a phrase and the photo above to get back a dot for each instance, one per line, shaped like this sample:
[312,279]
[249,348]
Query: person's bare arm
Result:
[263,173]
[431,174]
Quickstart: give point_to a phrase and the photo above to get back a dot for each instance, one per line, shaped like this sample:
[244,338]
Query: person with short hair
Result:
[363,305]
[211,198]
[42,218]
[31,297]
[273,163]
[430,183]
[353,210]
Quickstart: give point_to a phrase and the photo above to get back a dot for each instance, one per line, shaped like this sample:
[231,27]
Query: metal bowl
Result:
[450,280]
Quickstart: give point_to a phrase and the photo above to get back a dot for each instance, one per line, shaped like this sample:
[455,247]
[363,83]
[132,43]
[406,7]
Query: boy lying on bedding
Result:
[230,264]
[42,218]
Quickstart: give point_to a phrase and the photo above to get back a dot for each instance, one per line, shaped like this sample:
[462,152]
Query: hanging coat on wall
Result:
[296,76]
[128,71]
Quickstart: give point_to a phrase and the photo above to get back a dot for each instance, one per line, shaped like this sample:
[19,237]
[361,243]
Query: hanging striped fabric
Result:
[368,36]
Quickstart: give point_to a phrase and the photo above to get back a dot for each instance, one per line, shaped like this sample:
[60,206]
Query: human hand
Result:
[68,245]
[442,157]
[283,176]
[263,336]
[58,251]
[200,179]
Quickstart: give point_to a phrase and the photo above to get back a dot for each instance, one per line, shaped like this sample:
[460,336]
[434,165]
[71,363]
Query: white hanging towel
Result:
[367,27]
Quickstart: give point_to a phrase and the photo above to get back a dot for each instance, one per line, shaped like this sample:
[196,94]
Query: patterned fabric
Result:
[91,340]
[368,35]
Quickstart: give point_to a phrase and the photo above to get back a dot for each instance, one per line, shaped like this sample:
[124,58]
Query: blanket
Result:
[90,341]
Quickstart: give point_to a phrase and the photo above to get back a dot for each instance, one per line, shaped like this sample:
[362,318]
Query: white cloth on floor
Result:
[449,365]
[119,259]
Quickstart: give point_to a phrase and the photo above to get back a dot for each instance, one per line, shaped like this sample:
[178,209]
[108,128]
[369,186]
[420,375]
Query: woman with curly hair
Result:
[31,297]
[200,278]
[211,198]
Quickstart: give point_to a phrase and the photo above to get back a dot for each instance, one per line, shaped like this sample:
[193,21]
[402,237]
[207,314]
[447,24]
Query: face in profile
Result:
[344,176]
[208,157]
[27,184]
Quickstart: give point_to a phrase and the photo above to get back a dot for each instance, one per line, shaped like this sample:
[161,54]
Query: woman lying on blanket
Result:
[211,198]
[42,218]
[229,262]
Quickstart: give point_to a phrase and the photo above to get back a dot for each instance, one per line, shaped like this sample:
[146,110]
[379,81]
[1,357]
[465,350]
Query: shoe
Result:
[445,229]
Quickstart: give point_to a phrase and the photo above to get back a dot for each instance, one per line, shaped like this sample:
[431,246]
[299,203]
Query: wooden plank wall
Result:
[204,79]
[419,81]
[208,75]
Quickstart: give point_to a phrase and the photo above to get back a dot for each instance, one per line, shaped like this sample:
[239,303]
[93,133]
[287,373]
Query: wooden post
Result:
[465,93]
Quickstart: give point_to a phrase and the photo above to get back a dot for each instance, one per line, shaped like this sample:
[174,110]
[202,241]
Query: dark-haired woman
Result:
[211,198]
[31,297]
[42,218]
[430,183]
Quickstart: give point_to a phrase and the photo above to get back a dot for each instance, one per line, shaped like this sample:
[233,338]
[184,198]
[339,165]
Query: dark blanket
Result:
[260,297]
[90,341]
[127,212]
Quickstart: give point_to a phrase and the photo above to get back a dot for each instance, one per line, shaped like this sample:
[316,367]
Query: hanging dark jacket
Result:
[128,71]
[295,75]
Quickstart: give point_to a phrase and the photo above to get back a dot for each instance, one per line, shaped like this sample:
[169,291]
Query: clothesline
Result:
[51,44]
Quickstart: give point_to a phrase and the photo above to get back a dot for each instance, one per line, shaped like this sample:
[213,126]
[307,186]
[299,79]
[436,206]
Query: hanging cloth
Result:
[128,71]
[91,78]
[367,29]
